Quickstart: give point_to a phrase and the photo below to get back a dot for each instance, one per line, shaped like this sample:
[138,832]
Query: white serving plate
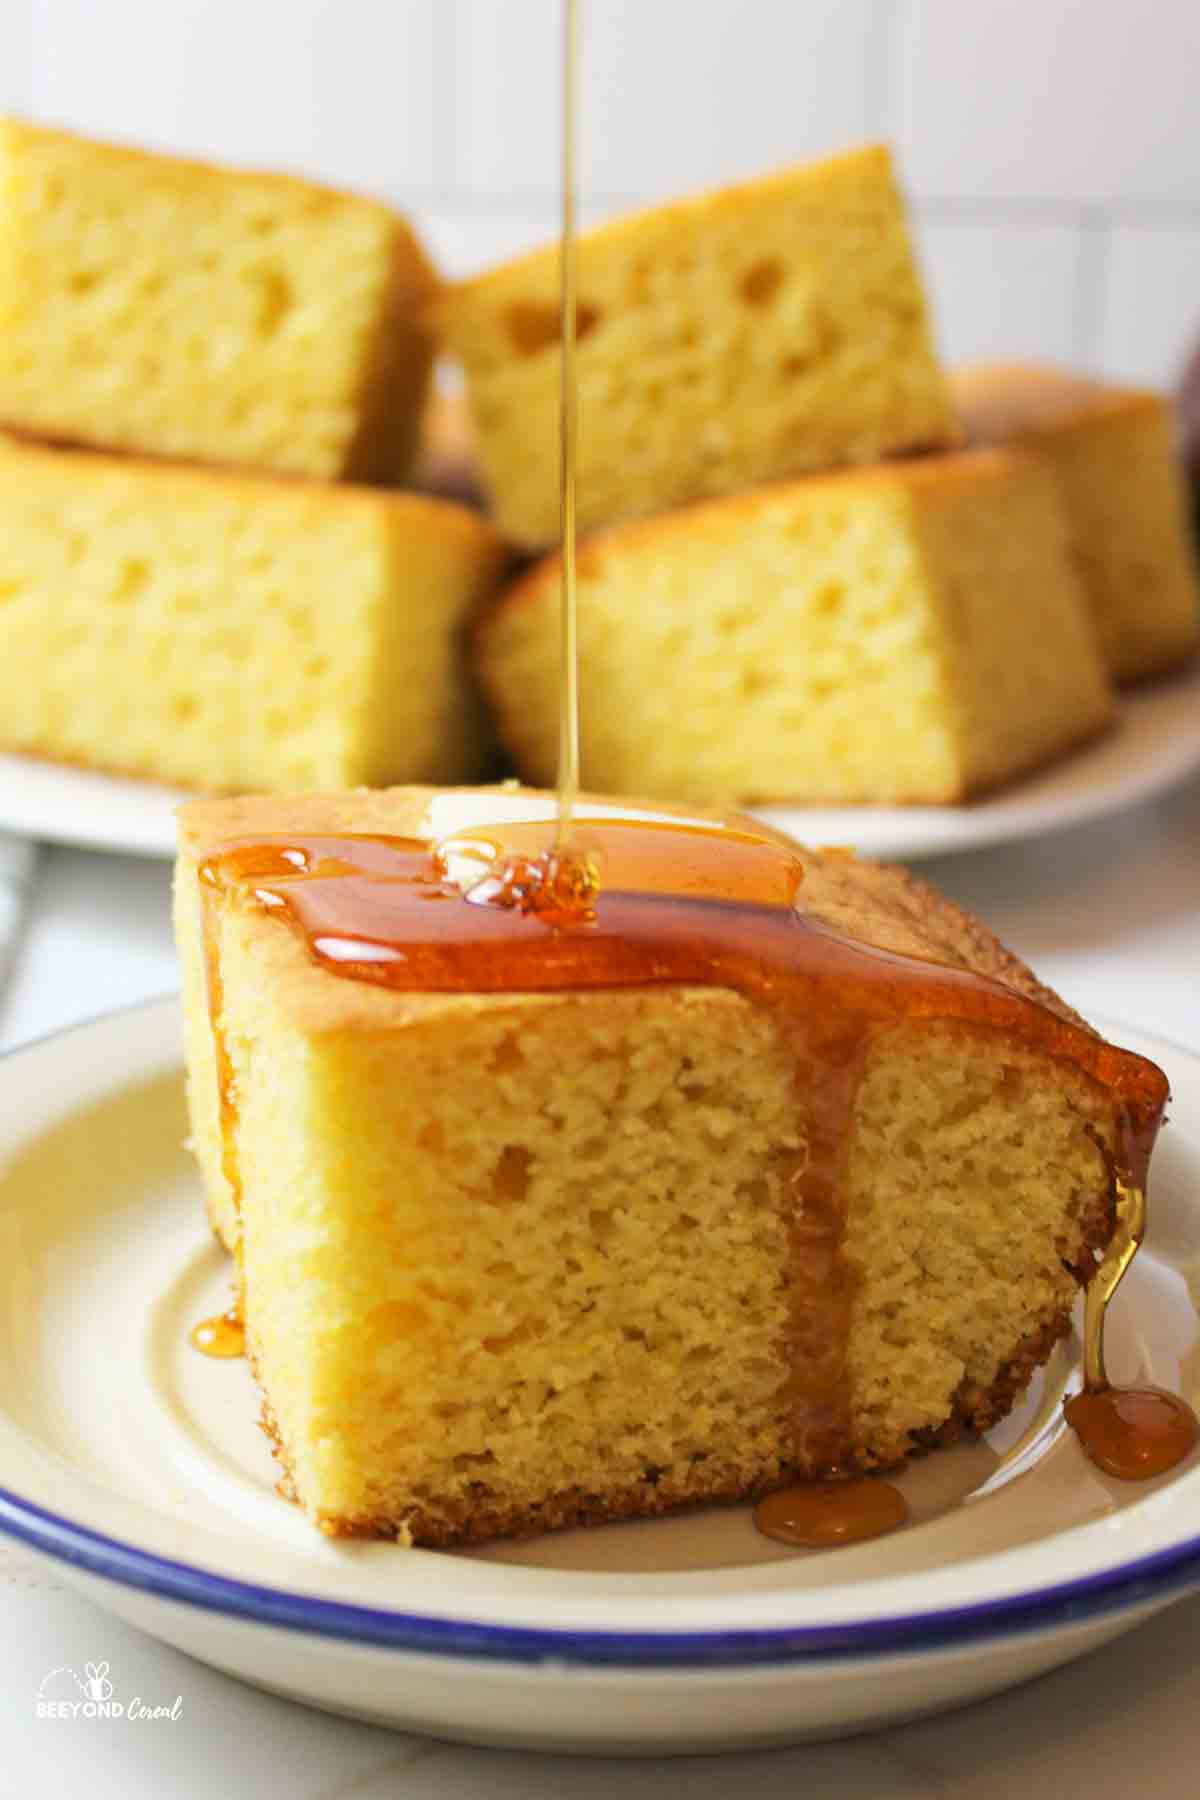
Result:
[136,1465]
[1156,743]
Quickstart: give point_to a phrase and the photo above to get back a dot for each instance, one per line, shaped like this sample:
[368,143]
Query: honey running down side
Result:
[645,902]
[1132,1433]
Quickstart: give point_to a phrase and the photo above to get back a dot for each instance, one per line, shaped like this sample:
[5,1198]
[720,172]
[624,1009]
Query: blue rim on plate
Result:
[1164,1575]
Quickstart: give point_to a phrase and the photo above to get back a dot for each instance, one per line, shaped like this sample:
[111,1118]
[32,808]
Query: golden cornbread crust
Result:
[160,477]
[911,633]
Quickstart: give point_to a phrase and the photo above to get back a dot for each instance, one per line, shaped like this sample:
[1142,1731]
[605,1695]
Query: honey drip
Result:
[1132,1433]
[821,1514]
[684,904]
[222,1336]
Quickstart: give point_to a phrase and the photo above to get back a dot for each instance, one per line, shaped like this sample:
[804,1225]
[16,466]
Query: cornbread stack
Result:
[222,627]
[768,610]
[512,1261]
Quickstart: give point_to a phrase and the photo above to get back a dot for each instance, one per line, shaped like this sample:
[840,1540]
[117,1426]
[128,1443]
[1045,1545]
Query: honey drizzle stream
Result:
[1130,1208]
[1132,1433]
[679,905]
[568,697]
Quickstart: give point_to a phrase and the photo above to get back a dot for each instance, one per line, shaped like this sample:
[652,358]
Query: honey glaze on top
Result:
[642,901]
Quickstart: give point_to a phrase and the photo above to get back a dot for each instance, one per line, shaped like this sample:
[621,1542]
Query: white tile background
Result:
[1051,147]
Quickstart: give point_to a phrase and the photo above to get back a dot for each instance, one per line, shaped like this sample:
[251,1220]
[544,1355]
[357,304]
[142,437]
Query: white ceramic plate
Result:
[1156,743]
[136,1464]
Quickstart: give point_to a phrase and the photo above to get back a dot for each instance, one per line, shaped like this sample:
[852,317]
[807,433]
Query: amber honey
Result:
[1132,1433]
[223,1336]
[817,1515]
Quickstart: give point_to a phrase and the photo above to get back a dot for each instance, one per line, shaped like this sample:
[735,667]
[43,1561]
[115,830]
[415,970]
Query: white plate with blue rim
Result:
[1155,743]
[136,1468]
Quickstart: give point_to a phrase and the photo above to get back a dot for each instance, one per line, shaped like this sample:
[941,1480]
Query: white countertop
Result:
[1110,915]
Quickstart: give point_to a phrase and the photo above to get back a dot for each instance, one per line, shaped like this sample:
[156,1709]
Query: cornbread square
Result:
[765,329]
[914,632]
[162,306]
[229,631]
[514,1261]
[1113,451]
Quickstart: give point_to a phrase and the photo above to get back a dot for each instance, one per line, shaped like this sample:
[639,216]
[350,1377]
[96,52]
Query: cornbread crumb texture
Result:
[910,633]
[226,631]
[765,329]
[513,1262]
[157,305]
[978,1194]
[1113,452]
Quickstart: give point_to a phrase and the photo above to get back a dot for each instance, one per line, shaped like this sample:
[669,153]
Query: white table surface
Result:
[1110,915]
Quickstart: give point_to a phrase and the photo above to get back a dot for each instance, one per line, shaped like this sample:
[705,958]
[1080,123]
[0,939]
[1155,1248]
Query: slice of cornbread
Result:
[1113,451]
[162,306]
[228,631]
[909,633]
[762,330]
[516,1260]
